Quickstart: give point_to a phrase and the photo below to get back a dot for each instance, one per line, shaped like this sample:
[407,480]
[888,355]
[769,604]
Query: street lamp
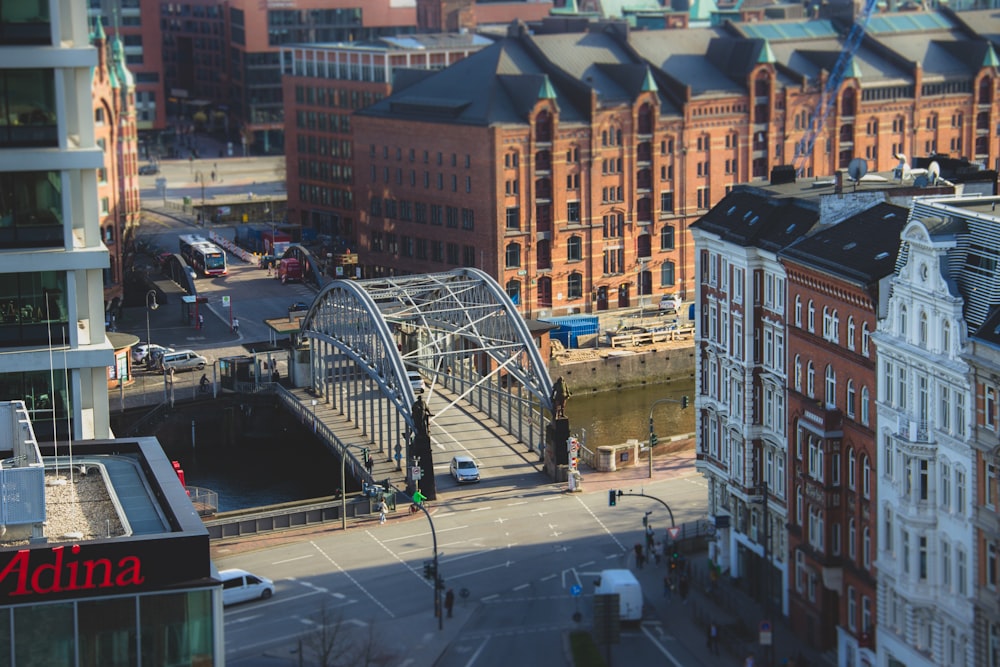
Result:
[149,306]
[683,400]
[199,177]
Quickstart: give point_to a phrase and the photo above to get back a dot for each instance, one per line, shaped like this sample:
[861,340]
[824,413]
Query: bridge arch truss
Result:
[458,329]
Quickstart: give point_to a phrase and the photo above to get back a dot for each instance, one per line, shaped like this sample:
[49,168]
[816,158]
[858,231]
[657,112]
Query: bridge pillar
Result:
[421,450]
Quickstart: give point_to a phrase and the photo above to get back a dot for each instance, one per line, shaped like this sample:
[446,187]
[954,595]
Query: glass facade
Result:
[27,108]
[156,629]
[33,309]
[31,213]
[25,22]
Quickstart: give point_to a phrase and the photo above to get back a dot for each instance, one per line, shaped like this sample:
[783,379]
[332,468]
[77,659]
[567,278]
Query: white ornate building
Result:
[945,284]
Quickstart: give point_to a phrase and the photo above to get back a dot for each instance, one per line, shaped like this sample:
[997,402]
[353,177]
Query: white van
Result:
[241,586]
[183,360]
[629,591]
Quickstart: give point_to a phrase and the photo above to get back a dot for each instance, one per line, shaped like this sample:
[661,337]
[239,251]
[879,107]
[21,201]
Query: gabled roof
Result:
[861,248]
[989,332]
[752,219]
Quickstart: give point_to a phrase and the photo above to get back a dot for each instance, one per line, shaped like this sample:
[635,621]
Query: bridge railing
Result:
[307,416]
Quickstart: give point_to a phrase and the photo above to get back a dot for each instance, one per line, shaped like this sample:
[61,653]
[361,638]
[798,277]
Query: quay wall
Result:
[610,370]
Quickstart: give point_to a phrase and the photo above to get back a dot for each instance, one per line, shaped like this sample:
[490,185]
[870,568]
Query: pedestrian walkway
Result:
[737,615]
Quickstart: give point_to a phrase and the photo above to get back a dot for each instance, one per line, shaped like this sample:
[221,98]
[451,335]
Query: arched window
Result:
[811,315]
[798,504]
[865,402]
[946,337]
[514,291]
[850,398]
[831,387]
[574,285]
[902,320]
[513,255]
[835,327]
[866,548]
[866,476]
[852,539]
[850,332]
[851,469]
[798,311]
[798,373]
[574,248]
[922,331]
[543,126]
[865,339]
[810,380]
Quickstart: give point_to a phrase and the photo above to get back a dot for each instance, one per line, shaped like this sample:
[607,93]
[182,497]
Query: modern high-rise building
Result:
[52,335]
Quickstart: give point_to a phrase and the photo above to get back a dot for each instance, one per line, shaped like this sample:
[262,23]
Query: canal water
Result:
[284,462]
[612,417]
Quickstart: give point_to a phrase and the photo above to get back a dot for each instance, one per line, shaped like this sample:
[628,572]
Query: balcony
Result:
[912,429]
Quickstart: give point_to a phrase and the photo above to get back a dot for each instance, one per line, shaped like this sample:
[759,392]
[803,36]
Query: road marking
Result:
[479,650]
[545,500]
[547,577]
[589,562]
[416,535]
[289,560]
[523,502]
[499,520]
[663,649]
[353,580]
[489,597]
[522,587]
[483,569]
[600,523]
[480,509]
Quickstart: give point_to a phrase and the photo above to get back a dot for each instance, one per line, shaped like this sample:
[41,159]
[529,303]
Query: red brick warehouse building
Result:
[572,164]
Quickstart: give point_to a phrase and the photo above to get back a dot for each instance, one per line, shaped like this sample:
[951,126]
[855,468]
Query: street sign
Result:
[765,633]
[398,456]
[674,531]
[225,302]
[415,472]
[575,590]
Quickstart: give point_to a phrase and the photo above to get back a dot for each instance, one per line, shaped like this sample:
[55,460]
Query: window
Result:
[866,548]
[850,398]
[573,212]
[960,491]
[513,255]
[946,565]
[831,387]
[852,611]
[798,373]
[667,274]
[798,311]
[887,519]
[865,339]
[902,320]
[945,487]
[990,408]
[922,557]
[866,476]
[852,538]
[922,328]
[29,96]
[811,315]
[667,238]
[946,337]
[574,249]
[811,380]
[574,285]
[815,459]
[513,217]
[865,406]
[960,571]
[851,462]
[850,332]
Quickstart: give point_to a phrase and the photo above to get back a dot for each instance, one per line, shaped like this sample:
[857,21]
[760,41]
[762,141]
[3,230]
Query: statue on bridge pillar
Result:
[560,394]
[421,416]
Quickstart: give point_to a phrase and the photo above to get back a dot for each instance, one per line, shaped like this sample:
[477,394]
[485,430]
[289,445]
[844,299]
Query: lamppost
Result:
[199,177]
[149,306]
[683,400]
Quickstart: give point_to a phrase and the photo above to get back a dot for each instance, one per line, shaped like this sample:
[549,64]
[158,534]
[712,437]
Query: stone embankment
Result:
[603,368]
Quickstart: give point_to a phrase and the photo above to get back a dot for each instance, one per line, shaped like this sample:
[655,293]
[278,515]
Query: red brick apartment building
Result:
[323,85]
[113,95]
[569,166]
[835,281]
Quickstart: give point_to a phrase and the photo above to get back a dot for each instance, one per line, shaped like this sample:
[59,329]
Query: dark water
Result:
[283,462]
[612,417]
[285,465]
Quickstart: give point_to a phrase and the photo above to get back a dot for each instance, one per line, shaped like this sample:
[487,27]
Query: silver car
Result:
[464,469]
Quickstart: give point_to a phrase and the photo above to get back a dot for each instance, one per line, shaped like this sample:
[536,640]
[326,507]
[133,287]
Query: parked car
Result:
[668,305]
[183,360]
[299,305]
[142,350]
[149,169]
[464,469]
[242,586]
[416,381]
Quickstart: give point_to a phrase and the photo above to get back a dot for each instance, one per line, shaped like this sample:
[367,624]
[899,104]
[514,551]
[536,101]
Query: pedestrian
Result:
[668,586]
[275,376]
[369,464]
[201,321]
[750,662]
[712,638]
[639,557]
[236,325]
[657,552]
[683,588]
[382,509]
[449,601]
[649,538]
[203,383]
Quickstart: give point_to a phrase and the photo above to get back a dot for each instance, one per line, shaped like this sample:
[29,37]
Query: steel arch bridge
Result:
[459,329]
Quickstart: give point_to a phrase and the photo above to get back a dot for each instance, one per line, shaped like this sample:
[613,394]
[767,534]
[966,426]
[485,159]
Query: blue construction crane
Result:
[817,120]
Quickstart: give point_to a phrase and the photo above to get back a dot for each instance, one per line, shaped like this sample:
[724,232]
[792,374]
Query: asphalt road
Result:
[512,558]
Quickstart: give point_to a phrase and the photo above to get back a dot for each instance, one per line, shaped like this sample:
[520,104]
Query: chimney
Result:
[838,181]
[782,173]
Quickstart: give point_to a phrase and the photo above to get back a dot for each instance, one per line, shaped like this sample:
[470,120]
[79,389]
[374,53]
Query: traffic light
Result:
[684,401]
[612,498]
[428,569]
[653,439]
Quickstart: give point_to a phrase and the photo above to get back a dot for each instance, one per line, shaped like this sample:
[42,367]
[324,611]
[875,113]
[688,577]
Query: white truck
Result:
[629,591]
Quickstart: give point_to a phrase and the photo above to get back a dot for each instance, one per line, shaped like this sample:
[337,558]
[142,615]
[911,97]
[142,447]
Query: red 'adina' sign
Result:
[61,571]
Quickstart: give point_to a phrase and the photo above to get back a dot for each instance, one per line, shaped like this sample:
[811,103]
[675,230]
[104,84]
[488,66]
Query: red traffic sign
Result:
[674,531]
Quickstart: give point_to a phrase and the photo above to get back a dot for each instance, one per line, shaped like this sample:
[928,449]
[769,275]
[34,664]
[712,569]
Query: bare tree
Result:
[333,643]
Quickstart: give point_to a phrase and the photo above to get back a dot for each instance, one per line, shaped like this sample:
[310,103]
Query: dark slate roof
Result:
[499,84]
[989,332]
[861,248]
[747,218]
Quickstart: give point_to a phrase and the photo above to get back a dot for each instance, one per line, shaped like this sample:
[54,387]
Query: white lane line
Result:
[600,523]
[663,649]
[521,587]
[545,500]
[425,534]
[480,509]
[353,580]
[546,578]
[475,655]
[289,560]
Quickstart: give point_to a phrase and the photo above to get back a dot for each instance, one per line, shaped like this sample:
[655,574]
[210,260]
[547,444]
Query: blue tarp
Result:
[573,326]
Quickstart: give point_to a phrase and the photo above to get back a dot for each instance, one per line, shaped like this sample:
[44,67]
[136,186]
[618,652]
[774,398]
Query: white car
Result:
[464,469]
[416,381]
[140,351]
[668,304]
[242,586]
